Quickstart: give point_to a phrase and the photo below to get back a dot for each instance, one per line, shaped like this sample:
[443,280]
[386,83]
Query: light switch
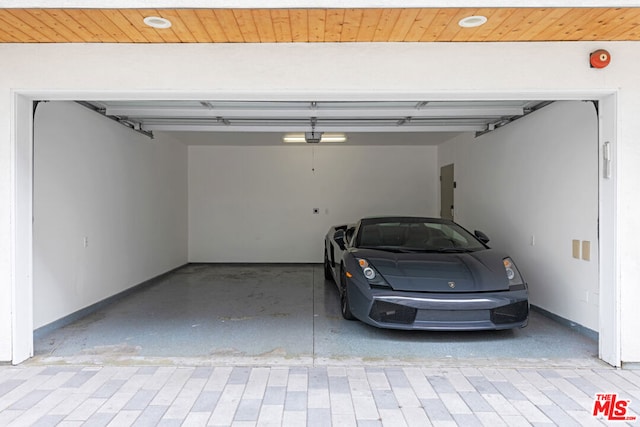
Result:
[586,250]
[576,249]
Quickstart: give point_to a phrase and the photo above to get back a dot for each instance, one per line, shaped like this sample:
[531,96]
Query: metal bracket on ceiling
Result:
[313,136]
[130,124]
[403,121]
[503,121]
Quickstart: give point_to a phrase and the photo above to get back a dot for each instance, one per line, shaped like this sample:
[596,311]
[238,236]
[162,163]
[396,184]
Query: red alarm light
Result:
[599,59]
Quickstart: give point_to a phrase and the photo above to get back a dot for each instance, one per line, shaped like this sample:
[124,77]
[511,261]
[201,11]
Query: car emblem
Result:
[452,285]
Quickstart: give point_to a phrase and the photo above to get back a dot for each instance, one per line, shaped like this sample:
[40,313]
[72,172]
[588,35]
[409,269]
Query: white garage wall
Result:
[537,178]
[255,204]
[124,192]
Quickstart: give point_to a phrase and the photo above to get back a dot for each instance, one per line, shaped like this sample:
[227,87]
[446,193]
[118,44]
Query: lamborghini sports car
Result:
[423,273]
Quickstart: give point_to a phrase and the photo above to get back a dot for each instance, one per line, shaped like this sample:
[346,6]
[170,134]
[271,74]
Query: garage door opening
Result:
[232,174]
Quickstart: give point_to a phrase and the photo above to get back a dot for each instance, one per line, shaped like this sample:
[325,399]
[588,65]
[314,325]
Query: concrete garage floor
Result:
[213,314]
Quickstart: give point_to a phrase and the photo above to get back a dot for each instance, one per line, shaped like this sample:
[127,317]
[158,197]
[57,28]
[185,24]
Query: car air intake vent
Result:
[386,312]
[511,313]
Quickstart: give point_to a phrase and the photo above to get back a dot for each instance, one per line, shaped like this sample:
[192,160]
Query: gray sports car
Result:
[423,273]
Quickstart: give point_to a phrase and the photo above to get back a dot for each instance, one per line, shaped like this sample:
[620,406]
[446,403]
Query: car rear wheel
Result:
[327,267]
[345,307]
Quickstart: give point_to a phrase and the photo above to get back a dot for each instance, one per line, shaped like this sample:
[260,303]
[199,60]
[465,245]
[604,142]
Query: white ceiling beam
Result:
[236,113]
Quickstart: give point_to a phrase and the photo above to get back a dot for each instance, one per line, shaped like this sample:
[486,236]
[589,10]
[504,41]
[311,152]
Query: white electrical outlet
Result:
[85,242]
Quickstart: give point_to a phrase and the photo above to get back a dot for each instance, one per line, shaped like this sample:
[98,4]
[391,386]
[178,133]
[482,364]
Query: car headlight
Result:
[515,279]
[371,274]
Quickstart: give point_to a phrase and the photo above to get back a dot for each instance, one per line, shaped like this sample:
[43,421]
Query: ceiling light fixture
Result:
[326,137]
[472,21]
[157,22]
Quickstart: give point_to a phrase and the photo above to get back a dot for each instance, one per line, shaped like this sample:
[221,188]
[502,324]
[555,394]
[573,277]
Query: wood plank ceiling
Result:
[317,25]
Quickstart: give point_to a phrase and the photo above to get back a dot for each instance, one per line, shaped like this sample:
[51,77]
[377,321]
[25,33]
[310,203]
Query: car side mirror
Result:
[481,236]
[339,236]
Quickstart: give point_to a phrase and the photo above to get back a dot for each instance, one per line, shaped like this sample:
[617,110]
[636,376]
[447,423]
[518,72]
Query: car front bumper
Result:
[441,312]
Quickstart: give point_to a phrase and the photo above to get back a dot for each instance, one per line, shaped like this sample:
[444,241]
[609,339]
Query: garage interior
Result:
[236,217]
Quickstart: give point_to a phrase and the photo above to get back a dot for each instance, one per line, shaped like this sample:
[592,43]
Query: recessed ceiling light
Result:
[472,21]
[157,22]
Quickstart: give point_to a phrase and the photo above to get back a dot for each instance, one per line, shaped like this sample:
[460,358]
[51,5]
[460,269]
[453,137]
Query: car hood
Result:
[480,271]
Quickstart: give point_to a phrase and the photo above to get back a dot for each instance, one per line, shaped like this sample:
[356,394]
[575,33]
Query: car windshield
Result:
[416,235]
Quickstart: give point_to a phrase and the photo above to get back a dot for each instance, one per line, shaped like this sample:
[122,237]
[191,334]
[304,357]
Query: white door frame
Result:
[22,232]
[22,193]
[609,318]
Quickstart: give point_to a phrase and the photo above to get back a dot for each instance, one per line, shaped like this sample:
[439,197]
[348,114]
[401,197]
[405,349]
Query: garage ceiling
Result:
[21,25]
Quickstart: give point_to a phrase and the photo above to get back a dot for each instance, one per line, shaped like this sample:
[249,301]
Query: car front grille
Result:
[452,315]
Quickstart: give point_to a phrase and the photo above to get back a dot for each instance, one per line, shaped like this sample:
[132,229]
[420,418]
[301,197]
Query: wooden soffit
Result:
[318,25]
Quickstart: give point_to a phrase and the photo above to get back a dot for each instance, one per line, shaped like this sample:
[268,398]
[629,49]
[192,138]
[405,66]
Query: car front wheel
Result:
[345,307]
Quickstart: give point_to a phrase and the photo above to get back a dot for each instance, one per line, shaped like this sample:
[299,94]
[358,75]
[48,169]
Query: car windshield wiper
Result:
[453,250]
[395,249]
[438,250]
[402,250]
